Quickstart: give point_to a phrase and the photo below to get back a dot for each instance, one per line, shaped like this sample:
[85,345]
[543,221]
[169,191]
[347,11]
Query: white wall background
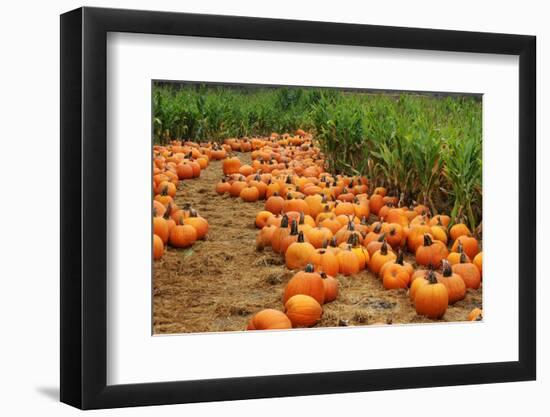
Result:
[29,173]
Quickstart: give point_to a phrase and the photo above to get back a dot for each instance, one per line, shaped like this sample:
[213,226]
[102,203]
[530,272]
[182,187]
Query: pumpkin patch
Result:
[267,231]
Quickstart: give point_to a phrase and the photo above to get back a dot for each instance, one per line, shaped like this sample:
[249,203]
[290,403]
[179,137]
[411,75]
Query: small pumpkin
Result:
[199,223]
[478,261]
[469,243]
[380,257]
[298,253]
[453,282]
[348,263]
[468,272]
[331,287]
[431,253]
[183,236]
[317,235]
[457,230]
[269,319]
[264,237]
[324,260]
[279,234]
[223,187]
[231,166]
[303,310]
[395,276]
[432,299]
[249,194]
[158,247]
[274,204]
[475,315]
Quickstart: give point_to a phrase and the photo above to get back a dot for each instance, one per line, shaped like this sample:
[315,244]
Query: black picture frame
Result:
[84,207]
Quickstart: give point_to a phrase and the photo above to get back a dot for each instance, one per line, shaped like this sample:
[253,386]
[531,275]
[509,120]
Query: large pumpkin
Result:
[269,319]
[306,282]
[303,310]
[432,299]
[468,272]
[431,253]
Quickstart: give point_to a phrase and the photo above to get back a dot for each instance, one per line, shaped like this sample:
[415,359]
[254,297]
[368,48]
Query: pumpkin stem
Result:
[309,268]
[382,237]
[460,248]
[351,225]
[302,218]
[399,259]
[463,258]
[323,275]
[164,190]
[427,240]
[377,228]
[300,237]
[447,271]
[284,221]
[431,277]
[294,228]
[333,243]
[324,244]
[384,248]
[364,221]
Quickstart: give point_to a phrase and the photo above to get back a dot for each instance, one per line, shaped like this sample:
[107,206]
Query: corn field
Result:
[423,148]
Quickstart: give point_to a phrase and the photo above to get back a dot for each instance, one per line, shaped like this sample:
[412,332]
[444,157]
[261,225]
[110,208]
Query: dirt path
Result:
[219,283]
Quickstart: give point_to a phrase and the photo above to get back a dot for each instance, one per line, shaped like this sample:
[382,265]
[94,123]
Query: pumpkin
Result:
[274,204]
[324,260]
[223,187]
[161,229]
[306,282]
[475,315]
[432,299]
[348,263]
[344,233]
[183,236]
[453,282]
[298,253]
[468,272]
[478,261]
[470,245]
[376,244]
[399,261]
[279,234]
[376,202]
[362,255]
[317,235]
[199,223]
[457,230]
[231,166]
[395,236]
[303,310]
[395,276]
[184,171]
[380,257]
[415,239]
[158,247]
[262,218]
[295,204]
[332,224]
[237,187]
[431,252]
[331,287]
[454,257]
[264,237]
[291,237]
[440,220]
[249,194]
[269,319]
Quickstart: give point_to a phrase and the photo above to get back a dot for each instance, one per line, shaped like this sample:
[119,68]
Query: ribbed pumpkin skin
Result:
[324,260]
[303,310]
[307,283]
[158,247]
[331,288]
[431,300]
[298,254]
[269,319]
[469,273]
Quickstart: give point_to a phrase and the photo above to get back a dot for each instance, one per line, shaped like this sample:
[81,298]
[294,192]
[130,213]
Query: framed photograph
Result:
[257,208]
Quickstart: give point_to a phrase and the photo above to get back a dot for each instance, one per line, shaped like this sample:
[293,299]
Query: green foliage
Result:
[426,148]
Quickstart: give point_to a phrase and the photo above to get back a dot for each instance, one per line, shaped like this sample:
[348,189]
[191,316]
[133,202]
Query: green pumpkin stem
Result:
[294,228]
[463,259]
[309,268]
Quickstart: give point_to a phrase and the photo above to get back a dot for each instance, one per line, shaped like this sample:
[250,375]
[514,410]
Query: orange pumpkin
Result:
[478,261]
[303,310]
[161,229]
[324,260]
[331,287]
[395,276]
[199,223]
[306,282]
[468,272]
[249,194]
[298,253]
[348,263]
[475,315]
[279,235]
[470,245]
[431,252]
[457,230]
[269,319]
[158,247]
[317,235]
[453,282]
[231,166]
[183,236]
[380,257]
[274,204]
[432,299]
[223,187]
